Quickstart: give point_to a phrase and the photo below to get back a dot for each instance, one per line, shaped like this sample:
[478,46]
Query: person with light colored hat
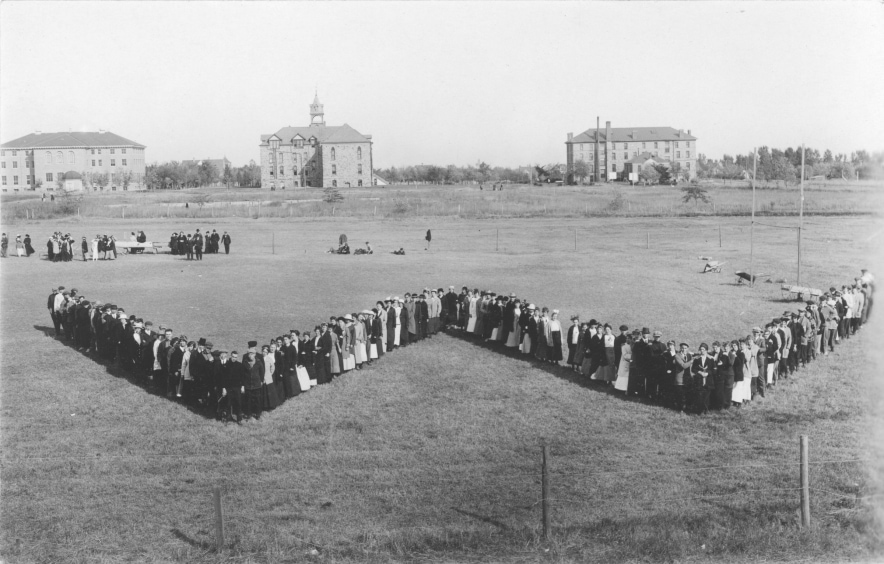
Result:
[360,339]
[394,324]
[344,346]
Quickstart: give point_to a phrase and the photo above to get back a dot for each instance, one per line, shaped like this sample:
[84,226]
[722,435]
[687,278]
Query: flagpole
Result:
[752,225]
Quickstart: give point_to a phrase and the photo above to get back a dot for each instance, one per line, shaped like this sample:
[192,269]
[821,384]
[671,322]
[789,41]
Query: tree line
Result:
[175,175]
[785,165]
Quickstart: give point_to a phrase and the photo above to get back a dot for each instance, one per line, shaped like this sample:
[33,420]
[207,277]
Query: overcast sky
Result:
[445,82]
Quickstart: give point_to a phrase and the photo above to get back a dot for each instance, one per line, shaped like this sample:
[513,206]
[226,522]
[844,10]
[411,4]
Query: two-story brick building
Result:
[608,150]
[317,155]
[104,160]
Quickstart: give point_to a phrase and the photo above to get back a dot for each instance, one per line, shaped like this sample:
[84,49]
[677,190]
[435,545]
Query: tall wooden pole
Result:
[805,484]
[752,225]
[544,491]
[800,214]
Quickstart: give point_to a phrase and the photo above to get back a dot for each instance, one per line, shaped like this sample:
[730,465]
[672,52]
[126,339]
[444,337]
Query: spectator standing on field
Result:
[226,240]
[4,245]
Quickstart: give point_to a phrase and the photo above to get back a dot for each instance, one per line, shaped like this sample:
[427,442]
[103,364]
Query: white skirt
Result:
[304,380]
[349,363]
[622,382]
[360,353]
[396,335]
[373,351]
[471,325]
[512,340]
[493,334]
[526,344]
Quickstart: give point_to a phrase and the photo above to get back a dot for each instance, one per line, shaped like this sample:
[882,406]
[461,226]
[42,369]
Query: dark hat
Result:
[253,344]
[201,342]
[704,346]
[593,322]
[148,323]
[684,345]
[646,331]
[624,328]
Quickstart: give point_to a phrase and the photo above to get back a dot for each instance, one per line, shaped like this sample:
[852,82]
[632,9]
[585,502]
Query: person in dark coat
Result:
[231,377]
[723,373]
[253,376]
[702,369]
[198,245]
[29,250]
[226,240]
[290,363]
[619,341]
[422,317]
[641,360]
[322,351]
[403,319]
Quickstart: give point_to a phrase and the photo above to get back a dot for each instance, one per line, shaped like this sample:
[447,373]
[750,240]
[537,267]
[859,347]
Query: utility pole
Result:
[800,214]
[752,225]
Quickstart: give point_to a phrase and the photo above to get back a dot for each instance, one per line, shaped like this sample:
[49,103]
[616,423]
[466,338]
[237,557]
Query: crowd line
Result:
[638,363]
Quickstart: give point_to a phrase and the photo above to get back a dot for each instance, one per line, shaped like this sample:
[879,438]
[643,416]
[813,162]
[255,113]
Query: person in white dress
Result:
[95,248]
[514,336]
[471,324]
[622,382]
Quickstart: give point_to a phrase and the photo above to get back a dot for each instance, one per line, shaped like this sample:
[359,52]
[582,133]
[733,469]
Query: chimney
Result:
[689,131]
[570,136]
[633,134]
[680,132]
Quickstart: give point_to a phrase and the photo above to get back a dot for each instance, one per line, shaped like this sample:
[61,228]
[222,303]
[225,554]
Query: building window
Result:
[112,151]
[99,151]
[281,170]
[334,183]
[360,183]
[71,157]
[14,164]
[687,154]
[59,157]
[613,168]
[667,149]
[93,151]
[626,145]
[333,153]
[113,162]
[48,177]
[48,157]
[15,180]
[4,181]
[613,156]
[29,180]
[687,143]
[124,162]
[358,153]
[644,144]
[99,162]
[334,169]
[313,141]
[123,150]
[359,169]
[655,144]
[93,162]
[687,166]
[2,153]
[676,143]
[3,164]
[678,154]
[625,155]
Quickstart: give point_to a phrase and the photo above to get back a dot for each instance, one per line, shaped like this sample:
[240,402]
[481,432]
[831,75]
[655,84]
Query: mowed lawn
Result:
[434,452]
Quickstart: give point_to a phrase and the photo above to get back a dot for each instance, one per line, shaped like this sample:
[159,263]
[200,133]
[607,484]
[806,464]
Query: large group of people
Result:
[638,363]
[192,245]
[729,373]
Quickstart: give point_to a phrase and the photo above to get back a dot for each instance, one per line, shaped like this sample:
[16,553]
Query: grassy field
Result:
[460,201]
[433,454]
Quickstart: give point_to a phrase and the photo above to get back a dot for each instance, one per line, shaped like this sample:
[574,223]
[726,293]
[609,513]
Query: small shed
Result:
[73,181]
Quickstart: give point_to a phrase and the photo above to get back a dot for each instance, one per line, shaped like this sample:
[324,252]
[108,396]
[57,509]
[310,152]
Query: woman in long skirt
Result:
[515,335]
[573,342]
[19,246]
[304,368]
[471,322]
[607,371]
[361,353]
[554,329]
[530,335]
[622,382]
[543,336]
[279,368]
[347,360]
[742,378]
[290,362]
[269,399]
[335,357]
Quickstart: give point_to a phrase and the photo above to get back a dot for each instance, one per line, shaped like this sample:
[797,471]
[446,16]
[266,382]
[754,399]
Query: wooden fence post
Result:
[805,485]
[719,235]
[544,491]
[649,240]
[219,520]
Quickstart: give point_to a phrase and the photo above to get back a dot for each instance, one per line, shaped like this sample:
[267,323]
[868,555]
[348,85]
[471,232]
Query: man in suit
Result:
[785,334]
[50,304]
[322,351]
[641,359]
[656,383]
[702,371]
[230,377]
[422,317]
[198,245]
[797,331]
[226,240]
[619,341]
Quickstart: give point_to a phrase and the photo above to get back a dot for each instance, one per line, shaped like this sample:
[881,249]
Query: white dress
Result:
[512,339]
[471,325]
[622,382]
[398,325]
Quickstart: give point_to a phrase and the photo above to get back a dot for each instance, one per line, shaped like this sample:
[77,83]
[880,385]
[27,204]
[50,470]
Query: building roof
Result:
[72,175]
[323,133]
[70,139]
[630,134]
[217,163]
[644,157]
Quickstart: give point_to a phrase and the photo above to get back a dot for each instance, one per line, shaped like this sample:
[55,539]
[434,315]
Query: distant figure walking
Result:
[429,238]
[226,240]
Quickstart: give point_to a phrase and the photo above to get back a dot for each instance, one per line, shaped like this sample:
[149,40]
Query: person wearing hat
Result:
[360,338]
[677,362]
[146,352]
[758,380]
[270,398]
[594,350]
[829,314]
[253,376]
[796,330]
[422,316]
[231,379]
[51,306]
[448,314]
[394,326]
[434,312]
[376,334]
[514,336]
[641,359]
[657,380]
[624,366]
[4,245]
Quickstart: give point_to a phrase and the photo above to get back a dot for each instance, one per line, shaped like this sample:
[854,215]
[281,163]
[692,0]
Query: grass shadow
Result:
[117,371]
[483,518]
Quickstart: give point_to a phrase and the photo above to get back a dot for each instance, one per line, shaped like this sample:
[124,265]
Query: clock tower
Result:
[316,112]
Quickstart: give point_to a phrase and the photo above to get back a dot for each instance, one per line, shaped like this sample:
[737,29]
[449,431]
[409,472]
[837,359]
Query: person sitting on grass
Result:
[399,251]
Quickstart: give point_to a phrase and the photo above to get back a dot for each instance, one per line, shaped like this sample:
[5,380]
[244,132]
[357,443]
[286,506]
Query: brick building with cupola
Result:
[609,151]
[318,155]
